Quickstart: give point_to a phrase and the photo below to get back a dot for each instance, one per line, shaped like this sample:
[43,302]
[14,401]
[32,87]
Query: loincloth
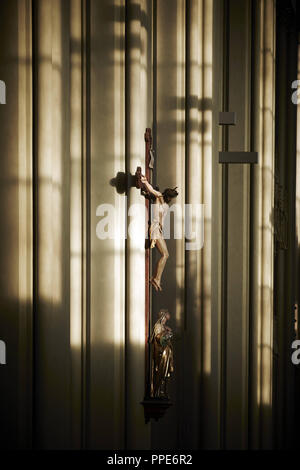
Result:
[155,233]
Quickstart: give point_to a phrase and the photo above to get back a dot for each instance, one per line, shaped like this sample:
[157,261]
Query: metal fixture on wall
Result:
[229,119]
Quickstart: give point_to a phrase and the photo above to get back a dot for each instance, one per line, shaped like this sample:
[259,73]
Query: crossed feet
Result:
[156,284]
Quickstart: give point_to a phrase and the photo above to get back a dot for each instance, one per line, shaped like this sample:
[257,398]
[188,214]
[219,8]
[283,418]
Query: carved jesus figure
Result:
[161,207]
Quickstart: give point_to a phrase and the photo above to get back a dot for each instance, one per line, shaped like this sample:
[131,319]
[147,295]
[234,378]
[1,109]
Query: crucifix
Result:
[158,344]
[149,162]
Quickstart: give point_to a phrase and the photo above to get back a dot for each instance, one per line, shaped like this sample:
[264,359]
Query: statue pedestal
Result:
[155,408]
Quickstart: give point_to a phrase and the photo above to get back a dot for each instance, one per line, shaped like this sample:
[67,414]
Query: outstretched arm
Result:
[149,187]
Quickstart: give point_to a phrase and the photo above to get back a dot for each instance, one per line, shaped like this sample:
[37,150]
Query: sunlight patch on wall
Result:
[136,120]
[25,153]
[57,155]
[120,201]
[49,153]
[75,180]
[265,197]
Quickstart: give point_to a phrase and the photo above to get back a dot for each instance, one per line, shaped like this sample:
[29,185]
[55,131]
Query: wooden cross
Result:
[148,171]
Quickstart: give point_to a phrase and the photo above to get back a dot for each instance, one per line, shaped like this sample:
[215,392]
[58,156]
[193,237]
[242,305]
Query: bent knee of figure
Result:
[166,255]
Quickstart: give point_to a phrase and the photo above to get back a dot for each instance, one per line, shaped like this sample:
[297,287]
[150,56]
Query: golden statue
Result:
[162,356]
